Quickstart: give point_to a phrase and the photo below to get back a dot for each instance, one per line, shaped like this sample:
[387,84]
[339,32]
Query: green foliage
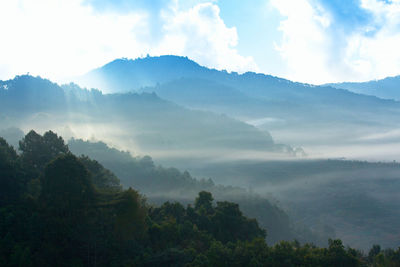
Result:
[67,196]
[102,178]
[203,203]
[72,222]
[229,224]
[130,215]
[374,251]
[161,184]
[10,180]
[7,152]
[66,185]
[38,150]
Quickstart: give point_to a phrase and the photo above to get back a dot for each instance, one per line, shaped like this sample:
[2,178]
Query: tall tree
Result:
[66,186]
[66,199]
[38,150]
[10,184]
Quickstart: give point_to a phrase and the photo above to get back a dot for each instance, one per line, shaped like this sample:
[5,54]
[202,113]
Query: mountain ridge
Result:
[295,113]
[386,88]
[183,67]
[142,120]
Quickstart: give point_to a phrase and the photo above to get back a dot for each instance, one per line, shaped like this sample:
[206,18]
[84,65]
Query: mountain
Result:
[255,96]
[301,114]
[184,81]
[388,88]
[250,95]
[141,122]
[356,201]
[124,75]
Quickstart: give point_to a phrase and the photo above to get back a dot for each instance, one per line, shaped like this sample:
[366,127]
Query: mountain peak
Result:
[170,61]
[125,74]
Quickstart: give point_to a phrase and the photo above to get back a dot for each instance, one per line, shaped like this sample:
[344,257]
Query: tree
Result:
[102,178]
[66,199]
[38,150]
[375,250]
[229,224]
[66,186]
[203,202]
[130,215]
[338,256]
[10,180]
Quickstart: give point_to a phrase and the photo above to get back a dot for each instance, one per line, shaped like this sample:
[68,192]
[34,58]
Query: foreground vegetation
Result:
[57,209]
[161,184]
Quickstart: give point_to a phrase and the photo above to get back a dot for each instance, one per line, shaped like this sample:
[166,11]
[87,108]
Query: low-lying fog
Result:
[356,201]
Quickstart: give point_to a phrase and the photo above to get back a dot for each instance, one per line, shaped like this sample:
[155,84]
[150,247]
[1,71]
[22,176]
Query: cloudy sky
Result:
[313,41]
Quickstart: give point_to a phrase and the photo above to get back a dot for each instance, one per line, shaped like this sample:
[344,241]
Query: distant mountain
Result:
[388,88]
[26,93]
[293,112]
[142,122]
[124,75]
[249,95]
[255,96]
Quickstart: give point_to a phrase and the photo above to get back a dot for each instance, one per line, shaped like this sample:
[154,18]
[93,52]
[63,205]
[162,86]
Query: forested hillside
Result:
[161,184]
[351,200]
[141,122]
[57,209]
[200,133]
[326,121]
[321,199]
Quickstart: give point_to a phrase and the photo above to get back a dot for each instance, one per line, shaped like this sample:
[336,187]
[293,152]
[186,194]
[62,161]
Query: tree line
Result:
[57,209]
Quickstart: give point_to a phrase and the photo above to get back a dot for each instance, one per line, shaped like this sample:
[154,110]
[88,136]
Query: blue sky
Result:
[313,41]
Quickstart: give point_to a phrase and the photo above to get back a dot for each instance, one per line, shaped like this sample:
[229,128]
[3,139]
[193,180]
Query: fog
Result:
[351,198]
[304,165]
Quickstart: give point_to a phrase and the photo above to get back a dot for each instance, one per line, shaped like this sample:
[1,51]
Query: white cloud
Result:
[377,56]
[202,35]
[62,38]
[304,44]
[316,52]
[57,38]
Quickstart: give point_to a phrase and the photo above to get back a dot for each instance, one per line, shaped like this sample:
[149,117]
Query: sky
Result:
[311,41]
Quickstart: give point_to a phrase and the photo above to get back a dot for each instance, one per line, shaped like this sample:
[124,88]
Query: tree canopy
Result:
[76,219]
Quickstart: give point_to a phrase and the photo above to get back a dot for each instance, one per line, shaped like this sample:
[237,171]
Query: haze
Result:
[288,109]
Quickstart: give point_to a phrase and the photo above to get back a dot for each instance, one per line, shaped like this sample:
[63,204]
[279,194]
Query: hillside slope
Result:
[312,117]
[139,122]
[388,88]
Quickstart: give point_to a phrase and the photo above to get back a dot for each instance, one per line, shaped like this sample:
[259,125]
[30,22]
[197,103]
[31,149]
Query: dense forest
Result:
[356,201]
[161,184]
[304,199]
[312,203]
[57,209]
